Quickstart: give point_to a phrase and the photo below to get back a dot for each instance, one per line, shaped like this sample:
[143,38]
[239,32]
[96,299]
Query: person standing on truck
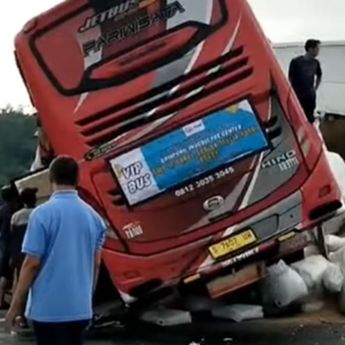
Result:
[305,75]
[62,245]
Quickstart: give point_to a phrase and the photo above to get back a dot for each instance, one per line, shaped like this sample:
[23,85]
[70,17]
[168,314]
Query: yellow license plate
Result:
[232,244]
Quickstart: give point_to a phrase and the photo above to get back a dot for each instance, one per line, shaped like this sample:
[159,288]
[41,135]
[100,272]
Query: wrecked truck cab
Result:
[190,140]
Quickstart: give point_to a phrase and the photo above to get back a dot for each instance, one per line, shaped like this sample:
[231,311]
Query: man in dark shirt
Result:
[7,209]
[305,75]
[19,223]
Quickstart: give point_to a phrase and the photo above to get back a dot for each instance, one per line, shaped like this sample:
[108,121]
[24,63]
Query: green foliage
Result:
[17,143]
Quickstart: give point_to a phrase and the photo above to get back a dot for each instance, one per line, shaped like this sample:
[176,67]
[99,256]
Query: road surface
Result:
[322,328]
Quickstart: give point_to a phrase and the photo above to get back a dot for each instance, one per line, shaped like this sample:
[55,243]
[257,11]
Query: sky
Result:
[282,20]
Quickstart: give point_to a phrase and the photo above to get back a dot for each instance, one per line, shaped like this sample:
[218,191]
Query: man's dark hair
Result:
[311,44]
[64,171]
[28,197]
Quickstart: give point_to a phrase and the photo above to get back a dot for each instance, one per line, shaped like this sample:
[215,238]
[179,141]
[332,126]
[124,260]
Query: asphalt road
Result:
[323,328]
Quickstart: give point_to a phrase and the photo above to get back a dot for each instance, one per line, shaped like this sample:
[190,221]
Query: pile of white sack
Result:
[305,282]
[308,280]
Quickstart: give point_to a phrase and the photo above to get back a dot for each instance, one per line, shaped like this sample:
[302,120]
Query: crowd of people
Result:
[50,257]
[15,210]
[14,216]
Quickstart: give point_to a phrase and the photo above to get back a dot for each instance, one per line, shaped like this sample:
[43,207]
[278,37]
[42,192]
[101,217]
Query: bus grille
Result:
[105,126]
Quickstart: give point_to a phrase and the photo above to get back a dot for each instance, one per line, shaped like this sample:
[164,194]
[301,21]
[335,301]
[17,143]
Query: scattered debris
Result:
[313,307]
[167,317]
[228,340]
[311,250]
[311,270]
[325,322]
[283,286]
[334,243]
[333,278]
[338,257]
[289,290]
[239,312]
[200,342]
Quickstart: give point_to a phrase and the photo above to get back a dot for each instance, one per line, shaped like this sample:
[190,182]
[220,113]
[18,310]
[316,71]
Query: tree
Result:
[17,143]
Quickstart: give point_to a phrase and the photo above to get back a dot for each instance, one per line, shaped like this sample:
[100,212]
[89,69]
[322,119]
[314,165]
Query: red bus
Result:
[191,141]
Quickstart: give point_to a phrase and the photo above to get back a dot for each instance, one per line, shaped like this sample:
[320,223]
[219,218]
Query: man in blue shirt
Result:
[63,251]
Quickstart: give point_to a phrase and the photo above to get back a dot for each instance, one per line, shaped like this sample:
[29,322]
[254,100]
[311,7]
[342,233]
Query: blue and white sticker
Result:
[218,139]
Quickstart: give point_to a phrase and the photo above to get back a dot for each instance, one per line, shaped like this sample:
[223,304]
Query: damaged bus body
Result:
[190,140]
